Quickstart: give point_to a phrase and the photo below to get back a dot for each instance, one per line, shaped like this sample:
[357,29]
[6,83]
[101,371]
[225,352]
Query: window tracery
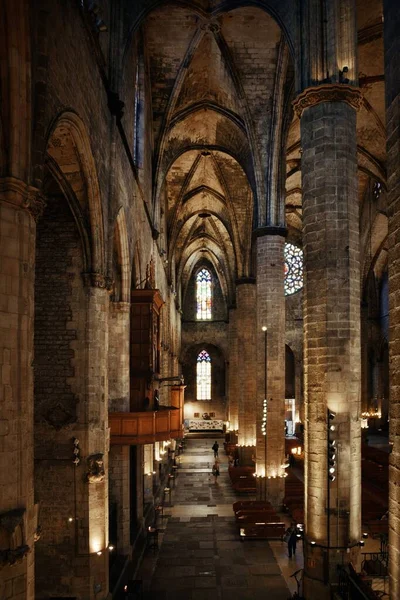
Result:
[293,269]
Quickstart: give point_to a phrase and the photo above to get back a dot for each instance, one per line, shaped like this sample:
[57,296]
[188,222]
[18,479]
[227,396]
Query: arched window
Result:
[138,129]
[293,269]
[203,376]
[203,294]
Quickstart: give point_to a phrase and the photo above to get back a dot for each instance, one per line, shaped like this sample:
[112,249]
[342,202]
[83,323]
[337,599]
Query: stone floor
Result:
[200,555]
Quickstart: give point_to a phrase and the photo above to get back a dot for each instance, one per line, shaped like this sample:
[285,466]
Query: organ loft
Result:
[199,243]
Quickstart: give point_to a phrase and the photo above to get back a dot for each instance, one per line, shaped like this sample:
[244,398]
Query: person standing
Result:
[215,447]
[291,538]
[215,471]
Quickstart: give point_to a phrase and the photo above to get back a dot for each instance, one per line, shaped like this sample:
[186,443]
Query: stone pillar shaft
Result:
[97,439]
[17,255]
[118,357]
[271,361]
[118,392]
[392,88]
[247,366]
[233,372]
[331,338]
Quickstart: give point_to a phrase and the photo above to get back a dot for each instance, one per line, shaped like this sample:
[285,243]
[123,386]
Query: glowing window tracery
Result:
[203,376]
[203,294]
[293,269]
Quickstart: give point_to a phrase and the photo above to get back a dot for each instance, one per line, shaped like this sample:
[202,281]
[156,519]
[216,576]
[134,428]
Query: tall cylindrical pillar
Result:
[331,332]
[270,338]
[233,372]
[247,365]
[18,205]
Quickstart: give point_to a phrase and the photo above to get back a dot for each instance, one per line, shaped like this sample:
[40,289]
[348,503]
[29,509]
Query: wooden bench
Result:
[236,473]
[250,507]
[265,517]
[261,531]
[230,448]
[246,484]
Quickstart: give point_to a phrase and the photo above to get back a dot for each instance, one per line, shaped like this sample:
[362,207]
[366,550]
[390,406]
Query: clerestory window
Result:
[203,295]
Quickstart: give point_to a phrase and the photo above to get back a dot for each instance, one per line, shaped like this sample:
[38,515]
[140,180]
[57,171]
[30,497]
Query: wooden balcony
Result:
[129,429]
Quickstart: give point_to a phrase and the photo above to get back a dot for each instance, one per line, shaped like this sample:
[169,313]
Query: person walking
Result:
[215,447]
[291,538]
[215,471]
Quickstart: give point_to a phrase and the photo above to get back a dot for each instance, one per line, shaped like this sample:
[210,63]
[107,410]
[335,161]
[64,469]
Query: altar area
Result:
[204,424]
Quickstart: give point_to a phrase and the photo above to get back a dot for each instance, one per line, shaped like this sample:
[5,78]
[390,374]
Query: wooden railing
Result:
[129,429]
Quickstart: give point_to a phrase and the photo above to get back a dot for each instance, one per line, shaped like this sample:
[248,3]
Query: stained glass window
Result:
[293,269]
[203,294]
[203,376]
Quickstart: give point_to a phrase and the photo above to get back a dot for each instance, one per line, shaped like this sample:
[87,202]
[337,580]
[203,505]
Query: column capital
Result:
[270,230]
[120,307]
[328,92]
[21,195]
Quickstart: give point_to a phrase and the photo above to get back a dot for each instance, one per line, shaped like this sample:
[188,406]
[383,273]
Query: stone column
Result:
[118,391]
[271,362]
[18,205]
[392,87]
[246,368]
[331,330]
[234,388]
[118,357]
[96,436]
[365,328]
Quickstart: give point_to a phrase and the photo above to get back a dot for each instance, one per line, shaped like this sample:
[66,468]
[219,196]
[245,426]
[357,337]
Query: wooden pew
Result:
[244,484]
[261,531]
[248,504]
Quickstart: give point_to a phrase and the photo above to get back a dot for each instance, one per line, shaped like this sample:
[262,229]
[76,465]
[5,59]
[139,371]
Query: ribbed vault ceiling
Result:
[221,88]
[213,83]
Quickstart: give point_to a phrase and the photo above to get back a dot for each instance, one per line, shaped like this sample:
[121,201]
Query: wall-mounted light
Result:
[331,447]
[76,452]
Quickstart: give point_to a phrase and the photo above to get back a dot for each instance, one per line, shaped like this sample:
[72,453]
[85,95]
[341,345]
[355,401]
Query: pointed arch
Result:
[69,146]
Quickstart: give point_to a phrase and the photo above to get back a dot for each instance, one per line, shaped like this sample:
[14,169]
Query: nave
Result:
[199,552]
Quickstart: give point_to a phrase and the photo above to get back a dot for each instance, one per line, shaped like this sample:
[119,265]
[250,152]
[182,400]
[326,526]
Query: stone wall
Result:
[392,70]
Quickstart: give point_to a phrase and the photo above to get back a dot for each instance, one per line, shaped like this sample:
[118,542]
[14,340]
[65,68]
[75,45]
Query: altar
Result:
[206,425]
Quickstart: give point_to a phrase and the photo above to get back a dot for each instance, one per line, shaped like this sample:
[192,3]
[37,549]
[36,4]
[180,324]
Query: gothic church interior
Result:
[199,241]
